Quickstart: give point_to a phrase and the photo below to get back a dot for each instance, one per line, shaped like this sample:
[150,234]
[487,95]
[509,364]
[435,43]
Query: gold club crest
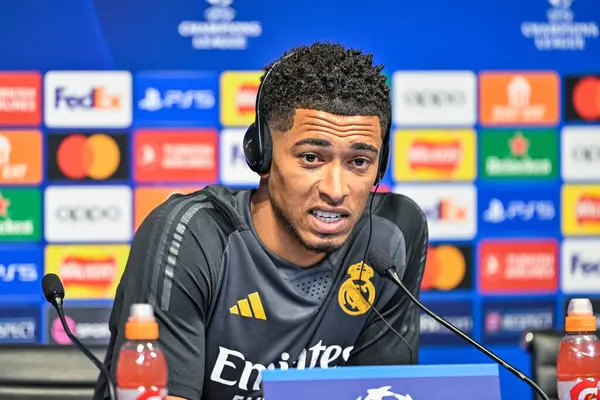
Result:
[350,299]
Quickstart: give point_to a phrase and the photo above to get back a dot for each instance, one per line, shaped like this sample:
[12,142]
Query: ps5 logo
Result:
[182,99]
[25,272]
[517,209]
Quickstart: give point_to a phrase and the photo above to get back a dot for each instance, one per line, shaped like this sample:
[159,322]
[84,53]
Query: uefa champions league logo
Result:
[383,393]
[562,4]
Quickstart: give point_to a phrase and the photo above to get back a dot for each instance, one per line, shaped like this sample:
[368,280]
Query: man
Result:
[267,278]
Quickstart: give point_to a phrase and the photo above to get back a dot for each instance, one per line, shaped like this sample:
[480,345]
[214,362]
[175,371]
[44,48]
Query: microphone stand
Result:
[58,305]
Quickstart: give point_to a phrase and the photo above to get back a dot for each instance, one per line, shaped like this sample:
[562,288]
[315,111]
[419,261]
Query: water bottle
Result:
[578,365]
[142,367]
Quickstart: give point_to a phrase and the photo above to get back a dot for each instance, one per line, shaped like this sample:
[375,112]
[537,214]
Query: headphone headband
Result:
[257,140]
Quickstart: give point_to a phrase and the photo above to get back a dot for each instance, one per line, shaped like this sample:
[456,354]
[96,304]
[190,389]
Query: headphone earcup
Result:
[267,147]
[384,158]
[253,149]
[383,163]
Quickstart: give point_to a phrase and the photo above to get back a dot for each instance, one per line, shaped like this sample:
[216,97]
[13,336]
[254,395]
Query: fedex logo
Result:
[579,262]
[88,99]
[97,97]
[176,98]
[580,266]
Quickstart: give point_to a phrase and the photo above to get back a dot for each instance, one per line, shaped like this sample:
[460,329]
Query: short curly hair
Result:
[325,77]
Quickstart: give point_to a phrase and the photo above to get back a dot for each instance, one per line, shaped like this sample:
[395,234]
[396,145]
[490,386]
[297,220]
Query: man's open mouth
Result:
[329,217]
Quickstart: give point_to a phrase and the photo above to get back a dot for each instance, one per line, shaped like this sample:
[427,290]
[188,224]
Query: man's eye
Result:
[361,162]
[310,158]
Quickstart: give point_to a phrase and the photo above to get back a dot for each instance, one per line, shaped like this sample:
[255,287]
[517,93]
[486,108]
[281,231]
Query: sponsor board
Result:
[20,98]
[518,266]
[234,168]
[176,155]
[88,271]
[518,154]
[505,322]
[19,325]
[21,270]
[87,156]
[448,267]
[238,97]
[581,210]
[434,155]
[437,98]
[451,210]
[519,210]
[580,266]
[580,153]
[458,313]
[88,99]
[146,199]
[20,215]
[88,214]
[21,155]
[89,324]
[519,98]
[404,382]
[582,98]
[176,98]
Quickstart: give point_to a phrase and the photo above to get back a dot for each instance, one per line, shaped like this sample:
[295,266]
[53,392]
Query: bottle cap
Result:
[580,316]
[142,311]
[141,324]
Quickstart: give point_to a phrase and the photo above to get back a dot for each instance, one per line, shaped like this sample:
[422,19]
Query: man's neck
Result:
[274,236]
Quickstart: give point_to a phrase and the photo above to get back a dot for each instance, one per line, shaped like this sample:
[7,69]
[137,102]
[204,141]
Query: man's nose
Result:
[333,187]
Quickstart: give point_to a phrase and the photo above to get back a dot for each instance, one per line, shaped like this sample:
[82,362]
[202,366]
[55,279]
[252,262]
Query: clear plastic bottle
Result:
[142,367]
[578,364]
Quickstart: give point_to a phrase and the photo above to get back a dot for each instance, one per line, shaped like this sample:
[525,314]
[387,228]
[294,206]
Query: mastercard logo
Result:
[96,156]
[586,98]
[445,268]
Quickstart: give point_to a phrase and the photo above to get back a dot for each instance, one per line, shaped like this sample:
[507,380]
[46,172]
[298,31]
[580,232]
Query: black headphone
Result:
[257,140]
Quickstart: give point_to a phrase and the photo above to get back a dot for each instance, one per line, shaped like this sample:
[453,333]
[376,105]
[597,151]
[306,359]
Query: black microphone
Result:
[54,292]
[381,262]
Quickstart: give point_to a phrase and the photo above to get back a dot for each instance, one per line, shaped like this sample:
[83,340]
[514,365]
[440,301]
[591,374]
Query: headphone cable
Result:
[361,283]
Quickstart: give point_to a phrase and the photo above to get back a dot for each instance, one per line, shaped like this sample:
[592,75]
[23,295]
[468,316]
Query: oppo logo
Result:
[88,214]
[434,98]
[588,153]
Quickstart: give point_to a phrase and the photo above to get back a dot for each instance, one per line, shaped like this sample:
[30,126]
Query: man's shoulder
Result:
[403,213]
[200,212]
[399,209]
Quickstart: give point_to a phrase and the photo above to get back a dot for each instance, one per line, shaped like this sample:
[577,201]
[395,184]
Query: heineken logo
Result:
[20,215]
[520,154]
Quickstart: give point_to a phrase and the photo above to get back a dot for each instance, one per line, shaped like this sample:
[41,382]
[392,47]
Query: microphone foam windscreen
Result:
[52,287]
[379,260]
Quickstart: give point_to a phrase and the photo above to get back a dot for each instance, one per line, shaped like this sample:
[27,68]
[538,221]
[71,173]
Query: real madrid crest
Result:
[350,299]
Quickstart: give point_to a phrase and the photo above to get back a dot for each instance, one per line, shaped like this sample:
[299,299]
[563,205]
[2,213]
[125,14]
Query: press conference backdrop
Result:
[107,107]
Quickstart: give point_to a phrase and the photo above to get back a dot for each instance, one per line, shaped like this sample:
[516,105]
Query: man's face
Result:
[321,174]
